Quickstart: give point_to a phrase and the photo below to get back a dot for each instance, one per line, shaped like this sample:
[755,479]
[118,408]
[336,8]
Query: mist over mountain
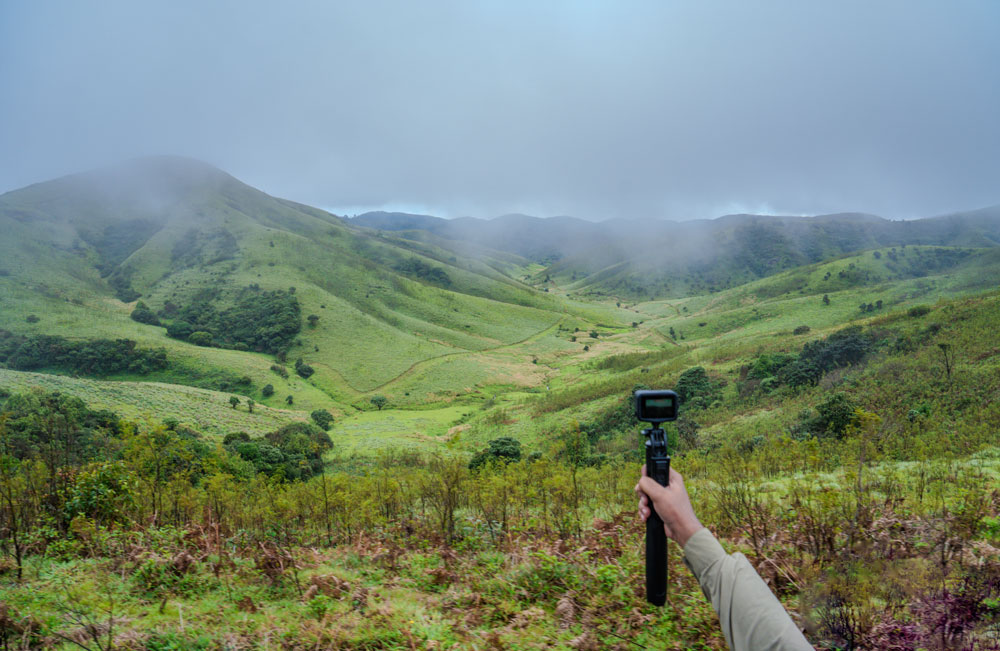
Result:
[650,258]
[187,238]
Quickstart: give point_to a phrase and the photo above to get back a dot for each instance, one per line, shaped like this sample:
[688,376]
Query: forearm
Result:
[750,615]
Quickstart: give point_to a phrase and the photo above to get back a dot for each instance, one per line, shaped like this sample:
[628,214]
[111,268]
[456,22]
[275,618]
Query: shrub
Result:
[179,330]
[695,383]
[918,310]
[267,391]
[280,370]
[32,318]
[831,420]
[843,348]
[503,450]
[143,314]
[303,369]
[801,330]
[420,269]
[103,492]
[200,338]
[235,437]
[322,418]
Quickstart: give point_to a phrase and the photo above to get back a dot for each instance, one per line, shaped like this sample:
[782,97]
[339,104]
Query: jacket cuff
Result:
[701,551]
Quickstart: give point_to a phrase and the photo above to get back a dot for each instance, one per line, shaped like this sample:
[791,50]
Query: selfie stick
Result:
[657,467]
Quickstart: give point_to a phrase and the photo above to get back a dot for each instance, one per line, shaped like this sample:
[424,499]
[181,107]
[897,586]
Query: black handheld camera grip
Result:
[657,467]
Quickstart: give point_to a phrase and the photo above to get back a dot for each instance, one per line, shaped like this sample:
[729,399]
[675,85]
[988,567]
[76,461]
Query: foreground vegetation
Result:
[868,501]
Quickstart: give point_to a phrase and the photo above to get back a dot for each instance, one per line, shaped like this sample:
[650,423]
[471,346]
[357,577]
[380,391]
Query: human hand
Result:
[672,504]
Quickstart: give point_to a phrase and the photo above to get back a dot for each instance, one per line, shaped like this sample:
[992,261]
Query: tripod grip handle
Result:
[656,561]
[657,467]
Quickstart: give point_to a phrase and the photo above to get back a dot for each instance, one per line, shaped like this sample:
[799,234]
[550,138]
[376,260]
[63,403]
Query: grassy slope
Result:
[345,276]
[203,410]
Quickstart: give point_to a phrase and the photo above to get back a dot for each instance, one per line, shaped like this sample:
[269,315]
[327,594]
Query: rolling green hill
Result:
[422,310]
[182,236]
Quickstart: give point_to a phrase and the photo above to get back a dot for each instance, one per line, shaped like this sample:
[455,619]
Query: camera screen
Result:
[658,407]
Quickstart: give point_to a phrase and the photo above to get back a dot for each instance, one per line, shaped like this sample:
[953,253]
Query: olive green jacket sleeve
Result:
[751,616]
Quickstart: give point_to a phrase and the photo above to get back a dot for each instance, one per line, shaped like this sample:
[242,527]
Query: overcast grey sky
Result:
[593,109]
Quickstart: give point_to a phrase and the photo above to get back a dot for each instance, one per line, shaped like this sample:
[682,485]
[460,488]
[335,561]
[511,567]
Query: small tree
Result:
[826,299]
[834,415]
[250,404]
[379,401]
[179,329]
[949,359]
[322,418]
[233,400]
[574,447]
[267,391]
[200,338]
[143,314]
[312,319]
[502,450]
[303,369]
[289,399]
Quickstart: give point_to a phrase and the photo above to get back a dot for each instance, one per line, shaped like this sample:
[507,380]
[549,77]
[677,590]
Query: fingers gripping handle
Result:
[658,467]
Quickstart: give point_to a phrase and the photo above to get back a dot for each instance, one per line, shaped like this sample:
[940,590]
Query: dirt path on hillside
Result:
[419,365]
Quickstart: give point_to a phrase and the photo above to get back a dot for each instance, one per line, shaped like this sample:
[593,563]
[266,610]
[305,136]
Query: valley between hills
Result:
[397,431]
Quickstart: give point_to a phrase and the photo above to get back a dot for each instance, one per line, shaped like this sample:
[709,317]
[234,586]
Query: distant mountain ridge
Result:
[652,258]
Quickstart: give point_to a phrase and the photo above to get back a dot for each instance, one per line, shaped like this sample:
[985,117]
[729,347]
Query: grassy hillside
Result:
[85,247]
[153,402]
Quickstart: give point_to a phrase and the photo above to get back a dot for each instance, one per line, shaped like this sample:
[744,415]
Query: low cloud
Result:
[598,110]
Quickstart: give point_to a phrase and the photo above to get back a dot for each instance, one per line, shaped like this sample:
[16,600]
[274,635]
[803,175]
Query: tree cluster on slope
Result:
[86,356]
[259,320]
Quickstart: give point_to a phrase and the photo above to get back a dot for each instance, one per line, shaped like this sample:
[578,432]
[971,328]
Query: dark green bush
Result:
[695,383]
[143,314]
[303,369]
[322,418]
[501,450]
[200,338]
